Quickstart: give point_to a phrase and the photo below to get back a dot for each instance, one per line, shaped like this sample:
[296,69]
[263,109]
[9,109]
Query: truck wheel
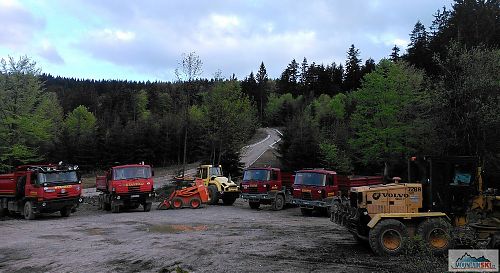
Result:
[254,205]
[388,237]
[100,203]
[107,206]
[65,212]
[306,212]
[177,203]
[29,214]
[436,233]
[228,201]
[279,202]
[213,193]
[147,206]
[195,203]
[115,208]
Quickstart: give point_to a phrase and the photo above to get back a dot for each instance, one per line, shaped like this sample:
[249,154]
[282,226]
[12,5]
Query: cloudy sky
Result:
[145,40]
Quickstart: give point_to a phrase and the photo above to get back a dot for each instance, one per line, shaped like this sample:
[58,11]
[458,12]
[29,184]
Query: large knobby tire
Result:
[436,233]
[147,206]
[306,211]
[279,202]
[65,212]
[213,193]
[388,237]
[195,203]
[254,205]
[29,214]
[177,203]
[115,208]
[228,201]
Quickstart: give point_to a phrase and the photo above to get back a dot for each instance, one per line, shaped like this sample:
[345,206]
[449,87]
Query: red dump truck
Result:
[34,189]
[126,187]
[317,189]
[268,186]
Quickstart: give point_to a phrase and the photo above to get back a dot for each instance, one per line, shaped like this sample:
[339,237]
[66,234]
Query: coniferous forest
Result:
[439,96]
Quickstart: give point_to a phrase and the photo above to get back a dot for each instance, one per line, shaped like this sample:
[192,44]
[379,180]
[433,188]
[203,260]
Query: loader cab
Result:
[208,171]
[449,182]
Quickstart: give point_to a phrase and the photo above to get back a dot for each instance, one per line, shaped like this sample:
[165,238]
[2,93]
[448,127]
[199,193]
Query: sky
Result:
[145,40]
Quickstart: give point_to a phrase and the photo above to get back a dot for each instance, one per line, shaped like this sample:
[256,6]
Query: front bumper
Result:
[258,196]
[147,197]
[310,203]
[49,206]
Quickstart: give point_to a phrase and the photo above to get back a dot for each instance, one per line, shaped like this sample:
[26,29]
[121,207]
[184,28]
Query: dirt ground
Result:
[210,239]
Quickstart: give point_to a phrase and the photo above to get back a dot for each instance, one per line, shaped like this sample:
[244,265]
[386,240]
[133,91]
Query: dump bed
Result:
[7,184]
[287,180]
[100,183]
[346,182]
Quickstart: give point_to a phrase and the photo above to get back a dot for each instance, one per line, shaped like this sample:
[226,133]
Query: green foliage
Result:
[28,115]
[80,122]
[382,120]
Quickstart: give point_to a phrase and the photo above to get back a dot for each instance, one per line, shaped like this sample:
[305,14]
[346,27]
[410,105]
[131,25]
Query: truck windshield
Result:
[260,175]
[215,171]
[131,173]
[308,178]
[57,177]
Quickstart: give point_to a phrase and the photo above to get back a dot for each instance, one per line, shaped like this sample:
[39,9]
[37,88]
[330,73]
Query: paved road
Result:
[252,152]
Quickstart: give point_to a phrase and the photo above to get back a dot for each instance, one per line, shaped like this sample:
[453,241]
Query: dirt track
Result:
[210,239]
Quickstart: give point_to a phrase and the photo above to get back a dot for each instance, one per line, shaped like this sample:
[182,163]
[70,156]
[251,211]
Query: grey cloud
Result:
[18,26]
[51,54]
[166,29]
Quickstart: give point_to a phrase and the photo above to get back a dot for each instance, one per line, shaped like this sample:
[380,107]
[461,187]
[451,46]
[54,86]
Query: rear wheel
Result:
[106,206]
[147,206]
[279,202]
[65,212]
[100,203]
[29,214]
[213,193]
[177,203]
[306,211]
[195,203]
[254,205]
[436,233]
[388,237]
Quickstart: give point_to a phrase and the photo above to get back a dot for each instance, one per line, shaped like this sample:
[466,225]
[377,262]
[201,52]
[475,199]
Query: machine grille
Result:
[133,189]
[306,196]
[253,190]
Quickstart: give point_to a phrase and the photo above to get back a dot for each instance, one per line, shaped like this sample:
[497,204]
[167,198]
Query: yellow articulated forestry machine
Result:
[443,203]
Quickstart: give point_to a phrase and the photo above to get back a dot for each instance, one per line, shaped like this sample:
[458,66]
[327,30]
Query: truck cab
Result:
[269,186]
[126,187]
[35,189]
[318,189]
[219,186]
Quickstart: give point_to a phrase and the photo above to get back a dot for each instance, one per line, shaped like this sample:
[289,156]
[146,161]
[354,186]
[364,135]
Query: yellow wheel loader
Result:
[219,187]
[443,203]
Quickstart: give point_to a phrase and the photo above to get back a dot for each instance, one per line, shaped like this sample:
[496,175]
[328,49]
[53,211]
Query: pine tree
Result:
[418,50]
[352,78]
[262,89]
[395,54]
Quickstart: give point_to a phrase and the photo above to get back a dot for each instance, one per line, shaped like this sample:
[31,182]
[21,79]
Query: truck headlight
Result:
[118,197]
[48,189]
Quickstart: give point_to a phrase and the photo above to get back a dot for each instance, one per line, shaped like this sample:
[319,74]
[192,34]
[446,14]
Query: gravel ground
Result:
[210,239]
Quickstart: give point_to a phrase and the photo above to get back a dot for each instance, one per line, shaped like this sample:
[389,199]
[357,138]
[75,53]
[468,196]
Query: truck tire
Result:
[213,193]
[306,212]
[65,212]
[147,206]
[436,233]
[177,203]
[228,201]
[388,237]
[100,203]
[29,214]
[254,205]
[115,208]
[279,202]
[106,206]
[195,203]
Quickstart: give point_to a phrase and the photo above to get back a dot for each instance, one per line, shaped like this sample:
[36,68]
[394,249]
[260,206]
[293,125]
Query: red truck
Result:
[267,186]
[317,189]
[34,189]
[126,187]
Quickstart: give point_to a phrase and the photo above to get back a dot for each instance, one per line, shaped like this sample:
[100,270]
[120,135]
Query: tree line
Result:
[441,96]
